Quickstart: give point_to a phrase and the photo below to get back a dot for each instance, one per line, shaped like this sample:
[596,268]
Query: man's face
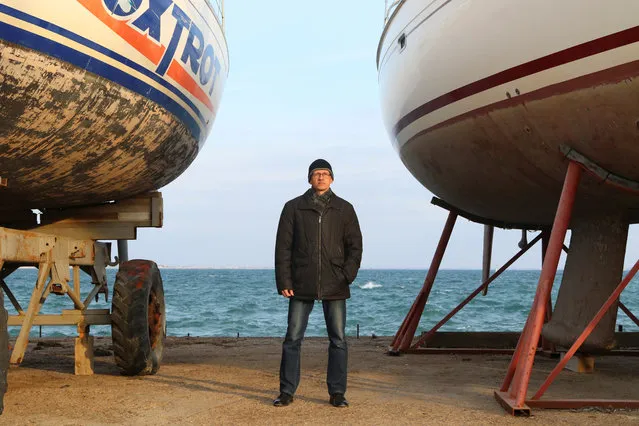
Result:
[321,180]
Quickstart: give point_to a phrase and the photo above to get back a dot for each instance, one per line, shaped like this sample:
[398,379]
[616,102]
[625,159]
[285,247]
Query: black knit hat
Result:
[319,164]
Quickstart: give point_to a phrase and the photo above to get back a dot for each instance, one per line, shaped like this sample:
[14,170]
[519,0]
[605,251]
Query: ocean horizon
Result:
[271,268]
[232,302]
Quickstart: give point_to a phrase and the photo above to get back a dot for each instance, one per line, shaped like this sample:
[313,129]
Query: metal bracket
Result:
[98,270]
[524,239]
[485,221]
[593,168]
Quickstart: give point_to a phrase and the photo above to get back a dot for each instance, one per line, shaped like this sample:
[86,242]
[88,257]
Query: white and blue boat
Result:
[104,99]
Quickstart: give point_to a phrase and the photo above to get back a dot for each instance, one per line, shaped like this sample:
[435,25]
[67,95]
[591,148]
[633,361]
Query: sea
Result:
[245,303]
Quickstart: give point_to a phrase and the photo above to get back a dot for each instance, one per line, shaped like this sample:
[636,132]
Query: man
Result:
[317,255]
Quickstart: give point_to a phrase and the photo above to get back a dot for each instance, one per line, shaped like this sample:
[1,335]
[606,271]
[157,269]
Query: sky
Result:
[303,85]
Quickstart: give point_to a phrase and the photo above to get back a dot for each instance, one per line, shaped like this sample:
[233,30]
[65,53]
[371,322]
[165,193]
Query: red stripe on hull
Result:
[608,76]
[553,60]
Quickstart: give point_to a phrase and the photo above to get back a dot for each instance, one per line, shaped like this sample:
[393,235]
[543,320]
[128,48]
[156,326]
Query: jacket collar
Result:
[307,203]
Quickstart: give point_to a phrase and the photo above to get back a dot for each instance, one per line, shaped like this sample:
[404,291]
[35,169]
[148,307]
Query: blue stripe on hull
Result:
[89,63]
[33,41]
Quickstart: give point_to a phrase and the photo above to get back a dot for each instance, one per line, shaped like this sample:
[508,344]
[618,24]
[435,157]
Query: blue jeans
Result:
[335,318]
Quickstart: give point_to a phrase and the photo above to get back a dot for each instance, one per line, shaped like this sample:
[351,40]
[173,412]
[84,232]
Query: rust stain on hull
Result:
[69,137]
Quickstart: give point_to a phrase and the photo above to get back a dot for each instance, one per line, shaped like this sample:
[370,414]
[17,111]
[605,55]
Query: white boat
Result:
[104,100]
[479,97]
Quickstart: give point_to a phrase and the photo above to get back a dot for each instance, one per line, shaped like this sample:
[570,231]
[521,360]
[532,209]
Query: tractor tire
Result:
[138,318]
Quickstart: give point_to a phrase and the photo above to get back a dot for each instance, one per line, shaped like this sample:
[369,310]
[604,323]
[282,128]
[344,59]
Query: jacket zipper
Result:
[319,255]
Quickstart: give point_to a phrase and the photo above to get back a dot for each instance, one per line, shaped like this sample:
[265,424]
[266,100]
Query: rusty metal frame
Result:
[512,393]
[406,332]
[402,341]
[63,245]
[582,337]
[594,169]
[429,335]
[53,255]
[628,313]
[459,351]
[486,221]
[537,402]
[486,342]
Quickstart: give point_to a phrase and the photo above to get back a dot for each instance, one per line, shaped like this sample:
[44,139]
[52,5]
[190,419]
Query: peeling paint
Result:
[69,137]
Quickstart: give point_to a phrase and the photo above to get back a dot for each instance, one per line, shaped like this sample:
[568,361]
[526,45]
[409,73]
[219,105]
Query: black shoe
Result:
[338,400]
[283,400]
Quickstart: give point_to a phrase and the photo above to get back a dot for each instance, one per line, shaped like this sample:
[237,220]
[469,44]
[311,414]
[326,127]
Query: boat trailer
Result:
[62,246]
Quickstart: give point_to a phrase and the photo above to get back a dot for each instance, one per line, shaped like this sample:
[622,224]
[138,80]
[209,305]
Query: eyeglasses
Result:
[321,174]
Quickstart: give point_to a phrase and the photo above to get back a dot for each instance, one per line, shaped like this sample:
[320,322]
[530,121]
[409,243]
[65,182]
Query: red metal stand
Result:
[404,337]
[535,401]
[429,335]
[583,336]
[406,331]
[512,394]
[628,313]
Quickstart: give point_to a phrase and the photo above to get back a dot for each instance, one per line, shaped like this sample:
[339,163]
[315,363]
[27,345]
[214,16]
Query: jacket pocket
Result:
[299,268]
[337,265]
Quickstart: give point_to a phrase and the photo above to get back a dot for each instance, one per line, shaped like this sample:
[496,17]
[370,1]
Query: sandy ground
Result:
[233,381]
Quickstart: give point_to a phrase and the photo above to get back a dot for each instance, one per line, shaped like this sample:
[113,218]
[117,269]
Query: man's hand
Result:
[287,293]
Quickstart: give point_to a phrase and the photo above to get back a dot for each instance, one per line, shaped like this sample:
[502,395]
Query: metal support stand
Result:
[512,393]
[628,313]
[404,337]
[123,251]
[548,348]
[406,332]
[488,251]
[578,403]
[430,334]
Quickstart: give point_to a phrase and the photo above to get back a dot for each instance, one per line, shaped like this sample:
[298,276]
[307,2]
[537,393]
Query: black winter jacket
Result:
[317,255]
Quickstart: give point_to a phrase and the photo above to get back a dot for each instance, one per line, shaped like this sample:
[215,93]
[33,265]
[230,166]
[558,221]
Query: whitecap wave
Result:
[370,285]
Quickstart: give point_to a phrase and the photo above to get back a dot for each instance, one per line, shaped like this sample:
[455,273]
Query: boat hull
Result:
[92,108]
[480,120]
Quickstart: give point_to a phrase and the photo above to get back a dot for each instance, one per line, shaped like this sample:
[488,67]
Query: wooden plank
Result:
[84,356]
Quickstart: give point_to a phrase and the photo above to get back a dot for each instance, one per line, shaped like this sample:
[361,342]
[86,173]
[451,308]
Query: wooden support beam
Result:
[83,352]
[111,221]
[580,363]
